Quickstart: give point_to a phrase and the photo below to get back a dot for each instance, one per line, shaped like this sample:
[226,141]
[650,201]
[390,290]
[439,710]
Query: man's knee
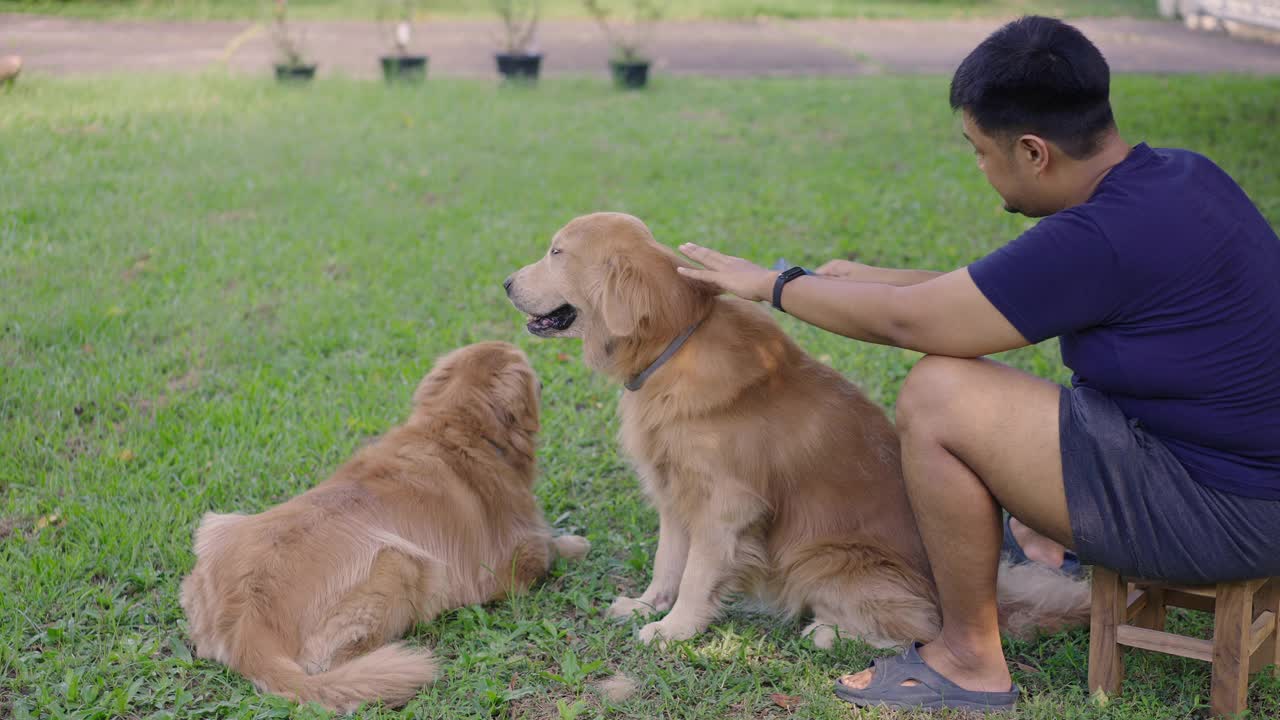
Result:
[931,391]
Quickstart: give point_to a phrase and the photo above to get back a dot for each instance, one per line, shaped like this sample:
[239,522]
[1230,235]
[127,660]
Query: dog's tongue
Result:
[557,319]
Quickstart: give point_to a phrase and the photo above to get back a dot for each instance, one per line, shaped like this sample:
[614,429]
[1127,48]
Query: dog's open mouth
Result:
[555,321]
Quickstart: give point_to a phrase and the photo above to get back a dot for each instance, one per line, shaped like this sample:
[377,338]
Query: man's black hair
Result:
[1037,75]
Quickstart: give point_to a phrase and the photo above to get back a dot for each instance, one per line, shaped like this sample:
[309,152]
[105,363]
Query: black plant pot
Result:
[519,67]
[295,73]
[404,68]
[630,74]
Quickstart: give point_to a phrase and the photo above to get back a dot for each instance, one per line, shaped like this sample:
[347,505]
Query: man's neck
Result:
[1089,173]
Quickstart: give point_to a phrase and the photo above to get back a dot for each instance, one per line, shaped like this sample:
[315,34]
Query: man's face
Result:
[998,160]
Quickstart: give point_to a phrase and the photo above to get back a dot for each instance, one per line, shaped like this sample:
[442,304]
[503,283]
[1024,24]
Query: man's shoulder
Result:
[1075,221]
[1181,166]
[1175,152]
[1161,185]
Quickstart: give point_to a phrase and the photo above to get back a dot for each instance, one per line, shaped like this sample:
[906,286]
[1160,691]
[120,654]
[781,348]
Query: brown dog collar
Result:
[637,382]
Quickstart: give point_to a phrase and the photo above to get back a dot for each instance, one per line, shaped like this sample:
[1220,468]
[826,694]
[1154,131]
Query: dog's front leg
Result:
[722,546]
[710,564]
[668,567]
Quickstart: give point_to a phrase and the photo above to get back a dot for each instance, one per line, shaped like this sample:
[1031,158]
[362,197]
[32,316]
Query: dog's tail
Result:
[1034,598]
[392,673]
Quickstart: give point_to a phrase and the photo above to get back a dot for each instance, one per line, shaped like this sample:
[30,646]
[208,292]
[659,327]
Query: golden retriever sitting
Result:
[307,598]
[771,473]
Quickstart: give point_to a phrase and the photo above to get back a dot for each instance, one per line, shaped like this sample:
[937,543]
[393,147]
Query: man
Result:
[1162,281]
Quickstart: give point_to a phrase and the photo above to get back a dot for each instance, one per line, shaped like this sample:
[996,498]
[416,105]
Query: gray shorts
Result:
[1135,510]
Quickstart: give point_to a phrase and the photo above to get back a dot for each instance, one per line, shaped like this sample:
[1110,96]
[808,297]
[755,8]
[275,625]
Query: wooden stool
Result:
[1131,614]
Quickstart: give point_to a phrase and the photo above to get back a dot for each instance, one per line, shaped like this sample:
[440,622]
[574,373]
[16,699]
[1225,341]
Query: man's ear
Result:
[624,299]
[1033,150]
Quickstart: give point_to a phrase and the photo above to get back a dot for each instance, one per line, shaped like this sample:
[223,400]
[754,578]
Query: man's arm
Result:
[858,272]
[944,315]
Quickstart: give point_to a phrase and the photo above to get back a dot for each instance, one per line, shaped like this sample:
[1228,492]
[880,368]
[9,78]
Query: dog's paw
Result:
[822,635]
[314,658]
[571,547]
[625,607]
[665,631]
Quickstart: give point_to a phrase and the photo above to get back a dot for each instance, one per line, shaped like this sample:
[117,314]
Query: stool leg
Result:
[1152,615]
[1268,599]
[1232,615]
[1106,656]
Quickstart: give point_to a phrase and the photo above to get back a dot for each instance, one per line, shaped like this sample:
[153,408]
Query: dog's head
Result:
[493,382]
[604,279]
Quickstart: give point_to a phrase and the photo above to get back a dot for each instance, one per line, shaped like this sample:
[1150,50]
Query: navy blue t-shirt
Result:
[1165,291]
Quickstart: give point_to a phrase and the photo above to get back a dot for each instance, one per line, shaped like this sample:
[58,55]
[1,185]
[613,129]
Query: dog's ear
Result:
[513,403]
[515,397]
[431,387]
[624,298]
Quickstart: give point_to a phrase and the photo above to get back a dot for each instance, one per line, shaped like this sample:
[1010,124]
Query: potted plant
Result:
[292,66]
[518,60]
[629,66]
[401,66]
[10,66]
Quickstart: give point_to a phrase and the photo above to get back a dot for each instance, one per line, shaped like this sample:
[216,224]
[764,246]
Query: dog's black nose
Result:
[506,285]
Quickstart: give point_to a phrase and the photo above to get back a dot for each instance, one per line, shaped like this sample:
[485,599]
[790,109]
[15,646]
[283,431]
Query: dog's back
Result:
[307,598]
[769,471]
[835,534]
[262,595]
[818,466]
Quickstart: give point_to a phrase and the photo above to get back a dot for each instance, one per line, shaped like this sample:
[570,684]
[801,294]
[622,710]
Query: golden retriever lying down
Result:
[771,473]
[306,598]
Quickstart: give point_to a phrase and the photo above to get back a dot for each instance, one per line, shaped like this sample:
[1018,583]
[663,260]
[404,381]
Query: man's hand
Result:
[735,275]
[840,268]
[929,312]
[858,272]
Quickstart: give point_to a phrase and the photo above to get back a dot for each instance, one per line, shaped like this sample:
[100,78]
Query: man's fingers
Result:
[694,252]
[696,274]
[705,256]
[835,267]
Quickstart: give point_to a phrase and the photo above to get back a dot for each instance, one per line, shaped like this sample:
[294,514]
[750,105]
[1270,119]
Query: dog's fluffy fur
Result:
[307,598]
[770,472]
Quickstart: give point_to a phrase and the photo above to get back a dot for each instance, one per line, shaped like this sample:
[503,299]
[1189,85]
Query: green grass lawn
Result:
[214,289]
[682,9]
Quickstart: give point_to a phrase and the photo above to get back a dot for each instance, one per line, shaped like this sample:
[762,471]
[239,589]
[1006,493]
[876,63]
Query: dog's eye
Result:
[555,251]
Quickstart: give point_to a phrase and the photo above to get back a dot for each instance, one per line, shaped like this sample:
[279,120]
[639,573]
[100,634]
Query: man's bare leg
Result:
[976,435]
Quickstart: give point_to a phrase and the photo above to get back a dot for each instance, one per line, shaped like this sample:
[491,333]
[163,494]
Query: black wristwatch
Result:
[785,277]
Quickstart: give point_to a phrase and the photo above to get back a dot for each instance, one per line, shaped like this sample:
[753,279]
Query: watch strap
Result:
[783,278]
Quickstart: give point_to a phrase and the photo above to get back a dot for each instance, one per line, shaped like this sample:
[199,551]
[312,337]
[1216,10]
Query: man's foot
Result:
[937,681]
[1022,544]
[986,675]
[1037,547]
